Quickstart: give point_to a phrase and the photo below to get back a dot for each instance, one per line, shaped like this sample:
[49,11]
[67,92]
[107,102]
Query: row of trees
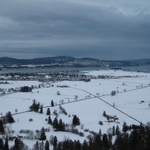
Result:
[18,145]
[6,119]
[137,139]
[59,125]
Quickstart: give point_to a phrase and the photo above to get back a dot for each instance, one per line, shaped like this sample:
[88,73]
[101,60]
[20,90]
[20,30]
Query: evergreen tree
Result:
[42,136]
[104,113]
[35,106]
[60,146]
[52,103]
[6,146]
[47,145]
[97,142]
[85,145]
[113,130]
[41,146]
[55,143]
[100,132]
[117,130]
[61,126]
[48,112]
[134,139]
[147,137]
[41,109]
[36,146]
[105,141]
[1,127]
[119,142]
[50,120]
[1,144]
[9,117]
[122,142]
[77,145]
[91,144]
[55,124]
[18,145]
[75,121]
[125,127]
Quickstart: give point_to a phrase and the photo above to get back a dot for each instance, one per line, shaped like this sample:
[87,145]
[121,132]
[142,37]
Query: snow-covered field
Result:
[87,100]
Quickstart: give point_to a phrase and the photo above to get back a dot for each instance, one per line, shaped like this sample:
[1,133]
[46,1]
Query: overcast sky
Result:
[103,29]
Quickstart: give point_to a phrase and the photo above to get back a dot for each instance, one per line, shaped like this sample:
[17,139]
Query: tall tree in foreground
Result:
[47,145]
[43,135]
[6,146]
[1,127]
[1,144]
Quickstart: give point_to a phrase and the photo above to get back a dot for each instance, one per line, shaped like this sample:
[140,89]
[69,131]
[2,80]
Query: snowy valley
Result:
[107,99]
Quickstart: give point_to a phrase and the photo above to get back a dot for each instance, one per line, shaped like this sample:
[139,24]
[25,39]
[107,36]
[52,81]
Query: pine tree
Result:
[1,144]
[97,142]
[36,146]
[60,125]
[75,121]
[125,127]
[41,146]
[55,124]
[52,103]
[91,144]
[48,112]
[85,145]
[55,142]
[6,146]
[100,132]
[1,127]
[41,109]
[77,145]
[42,136]
[104,113]
[105,141]
[18,145]
[60,146]
[113,130]
[47,145]
[9,117]
[117,130]
[119,142]
[50,120]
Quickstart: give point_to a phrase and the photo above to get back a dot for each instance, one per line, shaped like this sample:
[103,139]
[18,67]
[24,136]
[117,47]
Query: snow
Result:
[92,100]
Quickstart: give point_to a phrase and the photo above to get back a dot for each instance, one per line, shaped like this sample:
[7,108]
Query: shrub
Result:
[100,123]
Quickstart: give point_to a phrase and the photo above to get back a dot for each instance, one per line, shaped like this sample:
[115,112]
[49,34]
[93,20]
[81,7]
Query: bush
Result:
[30,119]
[100,123]
[113,93]
[81,134]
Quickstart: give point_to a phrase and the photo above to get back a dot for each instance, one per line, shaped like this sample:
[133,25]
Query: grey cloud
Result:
[104,29]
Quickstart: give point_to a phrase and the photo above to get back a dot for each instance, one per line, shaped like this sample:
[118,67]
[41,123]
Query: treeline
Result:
[129,138]
[134,138]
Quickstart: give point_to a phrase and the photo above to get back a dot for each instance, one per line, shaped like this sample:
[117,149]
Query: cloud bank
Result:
[104,29]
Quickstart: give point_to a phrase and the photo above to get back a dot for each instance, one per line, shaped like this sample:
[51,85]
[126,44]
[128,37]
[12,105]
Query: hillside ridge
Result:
[72,61]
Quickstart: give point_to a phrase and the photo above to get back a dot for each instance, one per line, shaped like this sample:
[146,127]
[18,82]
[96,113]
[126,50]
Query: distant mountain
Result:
[35,61]
[46,60]
[71,61]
